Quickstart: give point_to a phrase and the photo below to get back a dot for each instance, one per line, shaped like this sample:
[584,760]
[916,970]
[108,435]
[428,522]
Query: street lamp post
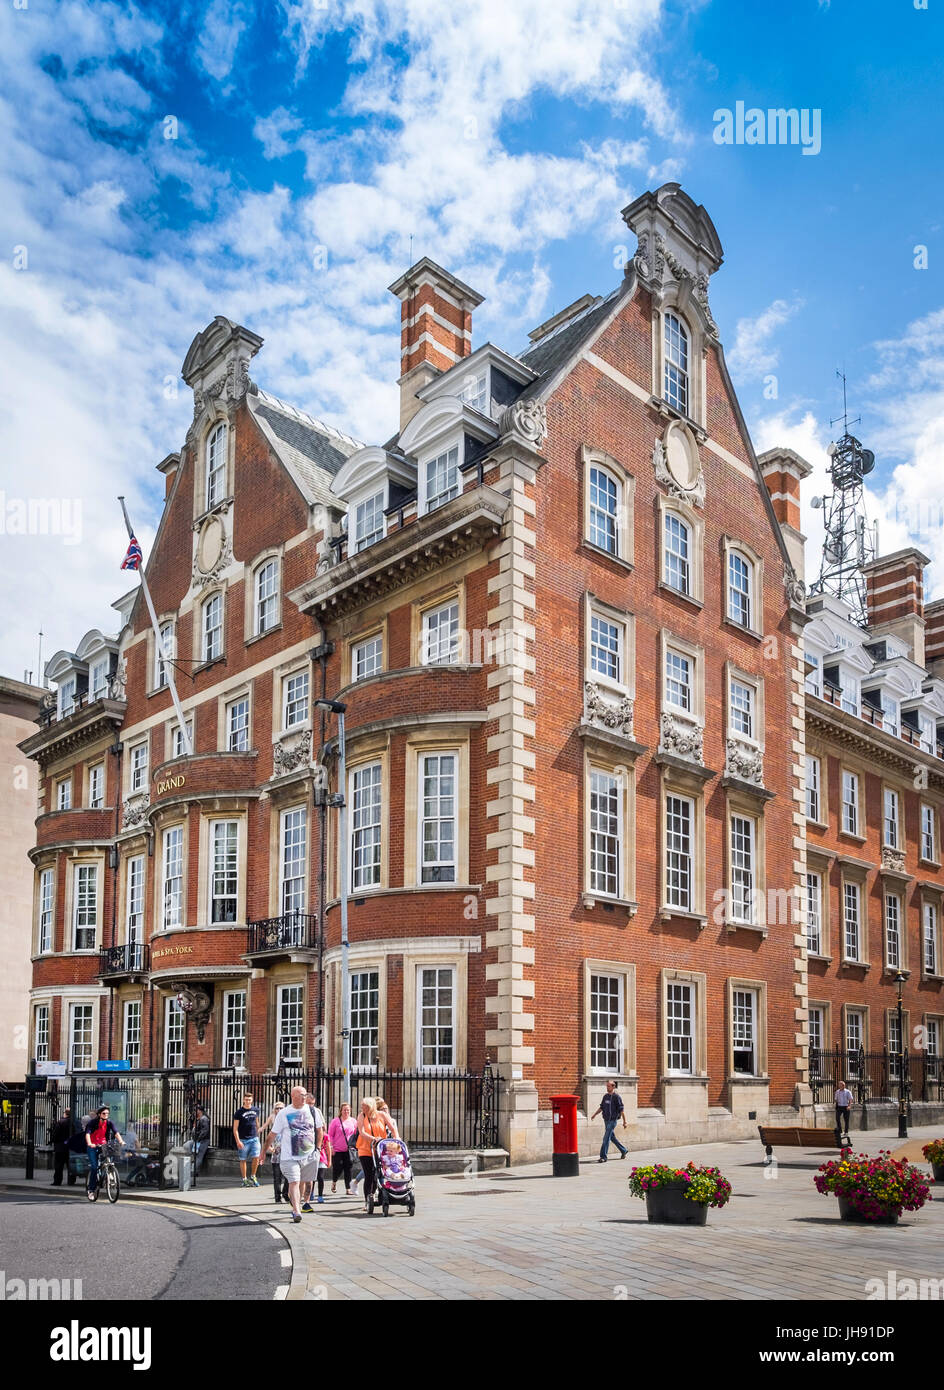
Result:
[902,1112]
[340,801]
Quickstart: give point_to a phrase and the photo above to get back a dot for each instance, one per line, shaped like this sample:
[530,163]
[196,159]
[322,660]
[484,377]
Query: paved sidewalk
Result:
[519,1233]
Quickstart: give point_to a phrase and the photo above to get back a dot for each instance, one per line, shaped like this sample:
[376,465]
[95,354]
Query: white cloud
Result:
[752,353]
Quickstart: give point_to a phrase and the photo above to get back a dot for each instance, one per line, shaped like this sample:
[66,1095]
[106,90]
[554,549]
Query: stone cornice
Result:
[851,732]
[63,736]
[461,526]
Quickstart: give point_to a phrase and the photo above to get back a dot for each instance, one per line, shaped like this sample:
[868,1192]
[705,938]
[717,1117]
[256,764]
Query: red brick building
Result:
[562,604]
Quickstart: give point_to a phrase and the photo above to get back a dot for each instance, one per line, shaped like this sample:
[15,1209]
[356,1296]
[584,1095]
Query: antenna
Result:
[39,664]
[850,542]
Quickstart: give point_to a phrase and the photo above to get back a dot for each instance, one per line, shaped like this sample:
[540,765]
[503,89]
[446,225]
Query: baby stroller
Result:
[394,1180]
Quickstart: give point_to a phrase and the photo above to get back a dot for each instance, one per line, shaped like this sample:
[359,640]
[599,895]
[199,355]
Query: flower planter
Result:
[938,1170]
[668,1206]
[847,1212]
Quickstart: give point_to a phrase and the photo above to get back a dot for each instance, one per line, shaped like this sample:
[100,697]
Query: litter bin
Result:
[566,1160]
[183,1167]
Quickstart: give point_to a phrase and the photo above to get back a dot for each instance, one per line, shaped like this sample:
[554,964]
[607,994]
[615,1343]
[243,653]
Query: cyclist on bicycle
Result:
[98,1132]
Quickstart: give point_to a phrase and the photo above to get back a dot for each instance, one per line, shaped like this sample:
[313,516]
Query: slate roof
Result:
[310,450]
[553,352]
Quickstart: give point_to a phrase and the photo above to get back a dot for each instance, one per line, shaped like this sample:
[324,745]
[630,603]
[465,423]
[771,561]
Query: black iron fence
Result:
[874,1076]
[281,933]
[155,1110]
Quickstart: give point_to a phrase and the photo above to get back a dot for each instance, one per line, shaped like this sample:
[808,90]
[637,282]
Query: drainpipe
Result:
[116,749]
[321,654]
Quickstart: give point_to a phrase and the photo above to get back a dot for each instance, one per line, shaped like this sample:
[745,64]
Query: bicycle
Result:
[106,1176]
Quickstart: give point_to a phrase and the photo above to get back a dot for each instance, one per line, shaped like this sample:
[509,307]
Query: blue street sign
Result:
[114,1066]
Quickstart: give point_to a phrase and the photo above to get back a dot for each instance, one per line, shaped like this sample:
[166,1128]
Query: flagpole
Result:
[168,668]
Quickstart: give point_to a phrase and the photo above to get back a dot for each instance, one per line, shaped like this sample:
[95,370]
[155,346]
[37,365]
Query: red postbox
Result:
[566,1160]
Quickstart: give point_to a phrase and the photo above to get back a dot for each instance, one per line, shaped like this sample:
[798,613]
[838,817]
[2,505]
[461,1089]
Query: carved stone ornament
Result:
[677,466]
[234,384]
[214,552]
[893,859]
[197,1003]
[683,740]
[614,713]
[118,684]
[291,752]
[744,762]
[526,421]
[696,286]
[796,589]
[134,812]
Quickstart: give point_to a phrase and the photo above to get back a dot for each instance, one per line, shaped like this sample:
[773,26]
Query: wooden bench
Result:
[799,1137]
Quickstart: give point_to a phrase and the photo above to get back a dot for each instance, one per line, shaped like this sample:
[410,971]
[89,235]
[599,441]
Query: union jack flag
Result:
[132,560]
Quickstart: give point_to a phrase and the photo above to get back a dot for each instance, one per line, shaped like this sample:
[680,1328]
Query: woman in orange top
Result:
[371,1125]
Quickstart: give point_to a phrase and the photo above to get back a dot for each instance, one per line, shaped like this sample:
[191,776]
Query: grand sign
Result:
[171,784]
[163,951]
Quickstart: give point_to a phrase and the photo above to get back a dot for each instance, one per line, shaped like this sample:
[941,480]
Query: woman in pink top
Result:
[340,1132]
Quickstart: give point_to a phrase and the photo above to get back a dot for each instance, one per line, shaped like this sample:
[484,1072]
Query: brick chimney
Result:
[169,467]
[435,328]
[783,472]
[895,598]
[934,637]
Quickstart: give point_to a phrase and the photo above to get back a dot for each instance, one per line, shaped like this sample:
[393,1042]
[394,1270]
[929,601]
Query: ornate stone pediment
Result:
[526,423]
[135,810]
[744,762]
[605,711]
[291,752]
[682,739]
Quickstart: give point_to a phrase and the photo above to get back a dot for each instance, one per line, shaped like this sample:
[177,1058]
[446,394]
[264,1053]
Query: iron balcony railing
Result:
[124,960]
[870,714]
[292,929]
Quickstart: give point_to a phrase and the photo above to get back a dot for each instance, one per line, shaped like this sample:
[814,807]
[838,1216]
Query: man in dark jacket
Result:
[200,1135]
[61,1131]
[611,1107]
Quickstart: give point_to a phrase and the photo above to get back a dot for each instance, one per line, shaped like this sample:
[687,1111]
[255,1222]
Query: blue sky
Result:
[504,136]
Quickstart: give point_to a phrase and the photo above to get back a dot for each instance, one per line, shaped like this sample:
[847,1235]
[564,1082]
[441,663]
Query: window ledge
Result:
[816,955]
[591,900]
[218,509]
[817,824]
[740,1078]
[890,971]
[930,863]
[848,835]
[744,631]
[379,891]
[936,978]
[670,412]
[208,665]
[607,554]
[258,636]
[731,924]
[677,593]
[856,964]
[677,1079]
[666,912]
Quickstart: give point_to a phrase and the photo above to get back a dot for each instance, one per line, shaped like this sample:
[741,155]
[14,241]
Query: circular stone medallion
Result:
[681,459]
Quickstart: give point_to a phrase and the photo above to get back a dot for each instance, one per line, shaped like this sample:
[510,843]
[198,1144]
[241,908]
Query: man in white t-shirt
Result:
[300,1131]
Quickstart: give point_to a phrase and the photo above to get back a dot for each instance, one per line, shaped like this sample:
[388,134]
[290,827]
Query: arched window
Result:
[678,554]
[740,586]
[216,466]
[605,501]
[676,387]
[213,628]
[267,596]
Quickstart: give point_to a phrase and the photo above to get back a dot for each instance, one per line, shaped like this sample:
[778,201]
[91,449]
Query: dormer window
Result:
[442,478]
[66,697]
[475,392]
[676,383]
[889,713]
[216,466]
[849,699]
[98,682]
[368,521]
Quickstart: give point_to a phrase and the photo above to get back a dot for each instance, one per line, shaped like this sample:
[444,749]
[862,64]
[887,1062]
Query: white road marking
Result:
[282,1291]
[275,1233]
[286,1257]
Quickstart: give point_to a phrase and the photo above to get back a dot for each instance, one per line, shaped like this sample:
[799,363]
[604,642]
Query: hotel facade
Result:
[563,606]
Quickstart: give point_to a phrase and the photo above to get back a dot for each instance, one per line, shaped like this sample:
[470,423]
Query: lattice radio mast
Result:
[850,542]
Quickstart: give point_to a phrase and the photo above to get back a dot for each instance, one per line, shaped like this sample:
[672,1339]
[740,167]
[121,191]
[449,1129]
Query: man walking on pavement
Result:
[246,1134]
[200,1136]
[611,1107]
[61,1133]
[843,1103]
